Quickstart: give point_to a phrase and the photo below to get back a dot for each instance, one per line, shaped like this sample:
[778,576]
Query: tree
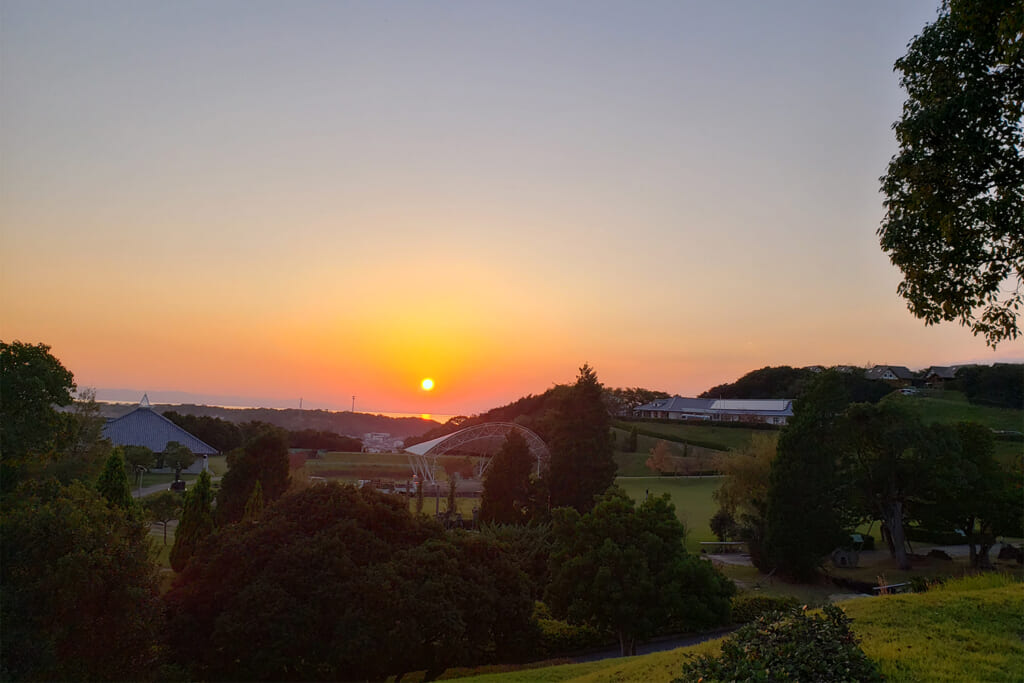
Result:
[196,522]
[661,460]
[339,583]
[954,222]
[508,495]
[179,457]
[32,382]
[631,443]
[162,508]
[78,593]
[113,482]
[1001,384]
[137,459]
[254,506]
[625,569]
[806,513]
[743,494]
[264,459]
[79,449]
[582,463]
[976,495]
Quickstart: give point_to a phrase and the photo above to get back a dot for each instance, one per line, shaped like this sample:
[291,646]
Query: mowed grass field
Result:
[723,438]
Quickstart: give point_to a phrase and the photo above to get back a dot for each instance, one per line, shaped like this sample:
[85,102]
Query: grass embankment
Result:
[950,407]
[967,630]
[690,495]
[694,433]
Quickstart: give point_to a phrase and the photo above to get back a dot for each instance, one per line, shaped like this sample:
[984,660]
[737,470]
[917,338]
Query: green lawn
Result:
[951,407]
[725,438]
[967,630]
[691,496]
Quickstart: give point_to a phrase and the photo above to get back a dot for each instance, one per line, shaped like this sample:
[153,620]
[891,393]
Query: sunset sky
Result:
[252,202]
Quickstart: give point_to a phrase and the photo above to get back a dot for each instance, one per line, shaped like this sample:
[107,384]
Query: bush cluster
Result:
[557,637]
[788,646]
[747,607]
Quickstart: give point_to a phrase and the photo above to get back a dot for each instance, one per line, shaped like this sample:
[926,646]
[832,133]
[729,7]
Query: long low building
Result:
[770,411]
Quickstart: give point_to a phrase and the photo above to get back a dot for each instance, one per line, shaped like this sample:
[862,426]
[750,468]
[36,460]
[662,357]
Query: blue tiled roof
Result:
[144,427]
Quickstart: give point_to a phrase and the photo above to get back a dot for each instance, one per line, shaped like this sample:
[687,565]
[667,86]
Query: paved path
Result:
[657,645]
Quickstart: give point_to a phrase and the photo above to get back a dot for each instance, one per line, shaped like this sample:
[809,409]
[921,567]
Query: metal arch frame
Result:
[423,465]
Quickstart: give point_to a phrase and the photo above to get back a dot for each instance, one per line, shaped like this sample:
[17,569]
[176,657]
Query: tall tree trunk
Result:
[627,644]
[894,520]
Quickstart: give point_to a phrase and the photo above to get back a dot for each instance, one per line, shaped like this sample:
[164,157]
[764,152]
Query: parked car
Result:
[909,391]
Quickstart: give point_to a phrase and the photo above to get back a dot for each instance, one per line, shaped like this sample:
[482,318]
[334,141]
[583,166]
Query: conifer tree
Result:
[196,522]
[113,482]
[254,506]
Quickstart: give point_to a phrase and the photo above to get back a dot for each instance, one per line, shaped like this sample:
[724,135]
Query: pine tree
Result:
[254,506]
[195,525]
[113,482]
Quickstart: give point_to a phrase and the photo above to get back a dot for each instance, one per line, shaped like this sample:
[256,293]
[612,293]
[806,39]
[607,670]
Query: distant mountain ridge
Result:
[294,419]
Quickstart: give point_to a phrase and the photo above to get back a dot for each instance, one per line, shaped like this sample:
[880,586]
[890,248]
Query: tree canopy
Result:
[578,432]
[339,583]
[508,495]
[954,222]
[32,382]
[78,596]
[196,522]
[264,459]
[625,569]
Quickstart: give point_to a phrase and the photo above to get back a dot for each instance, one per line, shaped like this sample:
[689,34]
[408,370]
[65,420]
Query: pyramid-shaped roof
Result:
[146,427]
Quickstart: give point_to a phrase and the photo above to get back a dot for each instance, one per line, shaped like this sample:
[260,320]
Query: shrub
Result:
[746,607]
[560,637]
[792,646]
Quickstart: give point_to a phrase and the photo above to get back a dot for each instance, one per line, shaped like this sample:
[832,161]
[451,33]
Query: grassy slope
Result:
[728,438]
[967,630]
[952,406]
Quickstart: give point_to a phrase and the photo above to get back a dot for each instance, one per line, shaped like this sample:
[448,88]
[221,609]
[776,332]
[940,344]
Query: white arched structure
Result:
[483,440]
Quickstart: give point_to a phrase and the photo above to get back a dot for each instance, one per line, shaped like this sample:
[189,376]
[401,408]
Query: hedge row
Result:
[713,445]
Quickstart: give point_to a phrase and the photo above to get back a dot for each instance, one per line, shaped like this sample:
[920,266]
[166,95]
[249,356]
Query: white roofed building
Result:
[769,411]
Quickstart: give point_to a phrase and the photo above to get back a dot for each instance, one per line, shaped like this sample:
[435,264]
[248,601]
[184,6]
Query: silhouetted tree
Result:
[508,495]
[113,482]
[264,459]
[196,522]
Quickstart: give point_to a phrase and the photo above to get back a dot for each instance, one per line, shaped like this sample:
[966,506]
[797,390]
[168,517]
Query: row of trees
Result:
[838,465]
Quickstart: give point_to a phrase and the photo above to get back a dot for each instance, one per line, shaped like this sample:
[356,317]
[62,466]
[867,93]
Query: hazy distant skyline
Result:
[321,199]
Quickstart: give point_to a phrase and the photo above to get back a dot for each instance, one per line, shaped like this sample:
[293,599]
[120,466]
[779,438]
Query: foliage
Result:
[79,449]
[621,400]
[178,457]
[954,220]
[196,522]
[509,495]
[768,382]
[579,438]
[1000,385]
[631,443]
[661,460]
[558,637]
[217,432]
[113,482]
[78,597]
[528,546]
[625,569]
[32,382]
[804,511]
[747,607]
[794,646]
[343,583]
[162,507]
[743,495]
[254,506]
[723,525]
[264,459]
[324,441]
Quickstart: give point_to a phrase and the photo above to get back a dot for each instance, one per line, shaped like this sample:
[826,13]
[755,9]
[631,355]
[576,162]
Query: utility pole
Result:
[353,404]
[300,403]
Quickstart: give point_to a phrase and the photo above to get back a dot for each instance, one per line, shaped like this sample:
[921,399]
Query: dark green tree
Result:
[974,493]
[894,465]
[78,593]
[80,449]
[254,506]
[113,484]
[162,508]
[954,221]
[196,522]
[508,495]
[582,463]
[264,459]
[806,508]
[631,444]
[137,459]
[339,583]
[32,382]
[625,569]
[179,457]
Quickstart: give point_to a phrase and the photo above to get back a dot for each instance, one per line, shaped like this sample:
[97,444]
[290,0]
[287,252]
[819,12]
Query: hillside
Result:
[966,630]
[344,423]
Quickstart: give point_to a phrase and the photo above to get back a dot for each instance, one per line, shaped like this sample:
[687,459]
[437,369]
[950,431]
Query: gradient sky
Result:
[260,201]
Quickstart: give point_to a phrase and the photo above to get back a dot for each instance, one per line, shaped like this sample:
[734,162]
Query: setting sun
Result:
[427,384]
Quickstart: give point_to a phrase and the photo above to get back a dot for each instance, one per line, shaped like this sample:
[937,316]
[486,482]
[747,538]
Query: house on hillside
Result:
[937,376]
[769,411]
[146,427]
[897,375]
